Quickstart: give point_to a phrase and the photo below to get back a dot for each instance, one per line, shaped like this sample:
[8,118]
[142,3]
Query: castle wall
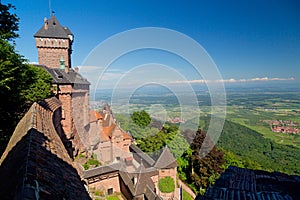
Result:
[94,133]
[109,183]
[126,144]
[125,190]
[66,100]
[50,51]
[120,143]
[105,151]
[167,172]
[80,111]
[172,173]
[35,162]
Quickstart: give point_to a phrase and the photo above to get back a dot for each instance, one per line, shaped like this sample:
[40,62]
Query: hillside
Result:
[248,144]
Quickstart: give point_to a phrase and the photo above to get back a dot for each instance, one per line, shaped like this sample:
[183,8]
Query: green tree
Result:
[9,22]
[184,165]
[141,118]
[21,84]
[39,84]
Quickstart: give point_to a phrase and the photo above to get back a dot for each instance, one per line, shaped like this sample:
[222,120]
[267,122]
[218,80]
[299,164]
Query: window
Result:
[110,191]
[62,114]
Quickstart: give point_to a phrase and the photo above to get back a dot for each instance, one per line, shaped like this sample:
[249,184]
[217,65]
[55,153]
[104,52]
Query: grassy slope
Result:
[248,143]
[253,119]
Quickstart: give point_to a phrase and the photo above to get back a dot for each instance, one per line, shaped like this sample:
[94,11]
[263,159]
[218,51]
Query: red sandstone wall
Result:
[126,144]
[81,114]
[110,182]
[94,133]
[172,173]
[167,172]
[51,50]
[105,149]
[66,100]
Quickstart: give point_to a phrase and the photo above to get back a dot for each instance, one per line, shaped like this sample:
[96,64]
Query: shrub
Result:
[166,184]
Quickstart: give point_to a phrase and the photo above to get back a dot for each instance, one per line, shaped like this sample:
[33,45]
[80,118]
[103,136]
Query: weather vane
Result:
[50,9]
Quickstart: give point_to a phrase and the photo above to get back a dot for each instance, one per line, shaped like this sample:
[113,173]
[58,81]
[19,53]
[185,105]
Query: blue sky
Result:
[246,39]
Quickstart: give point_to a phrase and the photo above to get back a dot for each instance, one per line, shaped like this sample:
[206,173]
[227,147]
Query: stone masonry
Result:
[54,43]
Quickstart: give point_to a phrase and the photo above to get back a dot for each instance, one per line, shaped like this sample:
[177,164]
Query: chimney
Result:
[134,180]
[76,69]
[67,69]
[45,23]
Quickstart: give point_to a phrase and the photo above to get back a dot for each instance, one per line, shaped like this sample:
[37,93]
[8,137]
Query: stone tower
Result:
[54,44]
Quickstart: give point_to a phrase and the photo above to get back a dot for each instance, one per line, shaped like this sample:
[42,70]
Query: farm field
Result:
[252,115]
[249,107]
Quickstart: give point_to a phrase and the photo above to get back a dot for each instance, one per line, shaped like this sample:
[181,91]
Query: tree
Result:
[21,84]
[9,22]
[141,118]
[204,171]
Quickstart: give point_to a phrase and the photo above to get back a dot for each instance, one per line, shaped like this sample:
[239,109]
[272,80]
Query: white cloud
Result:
[107,78]
[232,80]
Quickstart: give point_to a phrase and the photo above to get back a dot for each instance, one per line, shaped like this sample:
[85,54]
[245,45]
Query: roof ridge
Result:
[165,159]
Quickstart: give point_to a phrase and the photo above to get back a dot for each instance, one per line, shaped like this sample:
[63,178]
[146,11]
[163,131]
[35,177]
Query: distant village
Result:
[283,126]
[176,120]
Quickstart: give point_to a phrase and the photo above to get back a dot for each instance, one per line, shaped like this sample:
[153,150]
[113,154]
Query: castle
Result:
[39,159]
[39,163]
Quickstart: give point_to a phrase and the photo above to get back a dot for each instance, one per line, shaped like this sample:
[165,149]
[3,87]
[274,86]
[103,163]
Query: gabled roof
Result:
[143,176]
[53,29]
[145,157]
[166,160]
[144,184]
[60,76]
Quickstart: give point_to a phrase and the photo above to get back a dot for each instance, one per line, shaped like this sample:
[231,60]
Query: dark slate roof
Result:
[144,179]
[35,164]
[141,154]
[60,76]
[166,160]
[54,30]
[144,184]
[101,170]
[242,183]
